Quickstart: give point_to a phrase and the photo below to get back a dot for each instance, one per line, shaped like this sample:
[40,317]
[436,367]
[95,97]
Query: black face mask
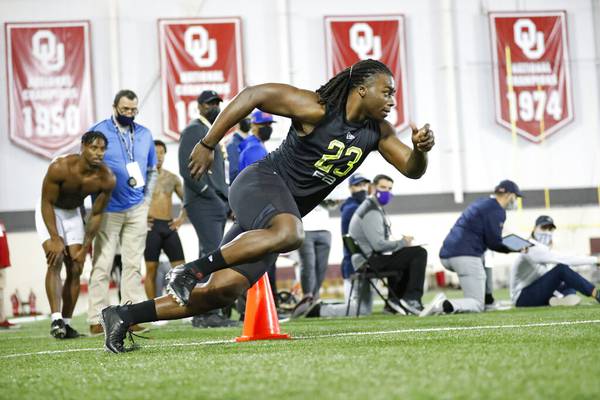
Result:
[211,115]
[264,133]
[245,125]
[124,120]
[360,196]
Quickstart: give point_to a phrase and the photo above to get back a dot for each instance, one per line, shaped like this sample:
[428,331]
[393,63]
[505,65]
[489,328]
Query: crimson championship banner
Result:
[197,55]
[50,95]
[531,72]
[351,39]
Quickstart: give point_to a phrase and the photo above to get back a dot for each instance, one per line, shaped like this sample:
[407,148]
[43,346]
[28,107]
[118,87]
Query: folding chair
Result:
[365,272]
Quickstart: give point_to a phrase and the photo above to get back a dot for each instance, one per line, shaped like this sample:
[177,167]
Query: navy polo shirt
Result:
[478,228]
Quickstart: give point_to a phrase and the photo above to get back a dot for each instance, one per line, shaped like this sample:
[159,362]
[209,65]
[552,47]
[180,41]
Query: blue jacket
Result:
[478,228]
[233,156]
[348,209]
[251,150]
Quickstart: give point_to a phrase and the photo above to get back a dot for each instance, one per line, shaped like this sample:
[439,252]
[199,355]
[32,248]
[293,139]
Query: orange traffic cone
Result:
[260,322]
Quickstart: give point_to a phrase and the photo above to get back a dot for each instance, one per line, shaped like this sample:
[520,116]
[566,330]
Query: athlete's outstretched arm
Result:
[411,163]
[288,101]
[93,224]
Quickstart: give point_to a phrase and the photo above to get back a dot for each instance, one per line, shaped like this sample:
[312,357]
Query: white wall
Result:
[568,159]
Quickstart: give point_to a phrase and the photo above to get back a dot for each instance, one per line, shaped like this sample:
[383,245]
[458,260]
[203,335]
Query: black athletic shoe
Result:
[182,281]
[314,311]
[71,333]
[115,329]
[57,329]
[302,307]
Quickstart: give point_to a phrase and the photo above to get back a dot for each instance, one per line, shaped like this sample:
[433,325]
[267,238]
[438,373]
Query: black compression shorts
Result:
[161,237]
[256,196]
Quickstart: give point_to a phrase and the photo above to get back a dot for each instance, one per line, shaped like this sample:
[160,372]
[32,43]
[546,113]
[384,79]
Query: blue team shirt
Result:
[233,156]
[251,151]
[116,158]
[348,209]
[478,228]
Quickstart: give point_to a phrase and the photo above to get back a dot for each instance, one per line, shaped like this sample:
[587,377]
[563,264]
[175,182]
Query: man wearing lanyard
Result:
[205,200]
[132,158]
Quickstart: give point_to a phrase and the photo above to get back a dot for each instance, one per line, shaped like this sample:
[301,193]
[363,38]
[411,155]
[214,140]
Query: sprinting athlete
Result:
[332,131]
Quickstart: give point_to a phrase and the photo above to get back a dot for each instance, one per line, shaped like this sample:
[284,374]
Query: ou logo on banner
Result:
[529,39]
[364,42]
[48,50]
[202,49]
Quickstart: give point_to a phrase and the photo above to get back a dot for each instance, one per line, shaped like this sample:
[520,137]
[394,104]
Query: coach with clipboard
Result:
[477,229]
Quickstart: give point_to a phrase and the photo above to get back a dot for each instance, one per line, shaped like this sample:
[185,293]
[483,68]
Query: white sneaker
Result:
[393,305]
[499,305]
[435,306]
[568,300]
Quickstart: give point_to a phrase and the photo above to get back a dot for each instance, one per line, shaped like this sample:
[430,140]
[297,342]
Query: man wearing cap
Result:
[253,148]
[359,189]
[477,229]
[205,200]
[543,277]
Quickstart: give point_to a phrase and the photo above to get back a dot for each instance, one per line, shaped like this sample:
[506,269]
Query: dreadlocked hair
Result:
[335,92]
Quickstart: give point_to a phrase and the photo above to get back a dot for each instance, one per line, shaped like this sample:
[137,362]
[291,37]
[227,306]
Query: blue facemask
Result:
[383,197]
[124,120]
[360,196]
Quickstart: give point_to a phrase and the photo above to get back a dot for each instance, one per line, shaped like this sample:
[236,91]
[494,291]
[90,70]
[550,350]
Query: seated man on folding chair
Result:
[359,299]
[371,230]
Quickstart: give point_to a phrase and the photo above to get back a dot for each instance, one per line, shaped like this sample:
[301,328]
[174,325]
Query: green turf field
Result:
[543,353]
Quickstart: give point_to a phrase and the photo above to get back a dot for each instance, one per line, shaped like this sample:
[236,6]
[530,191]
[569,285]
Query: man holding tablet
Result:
[477,229]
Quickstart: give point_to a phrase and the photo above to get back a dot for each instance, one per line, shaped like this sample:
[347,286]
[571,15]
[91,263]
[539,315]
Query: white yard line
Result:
[343,334]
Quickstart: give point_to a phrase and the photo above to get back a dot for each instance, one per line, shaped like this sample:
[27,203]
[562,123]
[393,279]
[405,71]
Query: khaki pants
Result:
[127,228]
[2,287]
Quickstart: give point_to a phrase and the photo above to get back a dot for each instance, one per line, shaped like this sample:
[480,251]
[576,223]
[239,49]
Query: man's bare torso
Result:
[77,185]
[162,202]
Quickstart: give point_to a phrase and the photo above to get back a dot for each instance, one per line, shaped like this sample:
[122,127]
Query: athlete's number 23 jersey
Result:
[313,165]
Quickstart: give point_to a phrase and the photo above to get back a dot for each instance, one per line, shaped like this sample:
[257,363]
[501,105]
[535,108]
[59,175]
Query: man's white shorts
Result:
[69,225]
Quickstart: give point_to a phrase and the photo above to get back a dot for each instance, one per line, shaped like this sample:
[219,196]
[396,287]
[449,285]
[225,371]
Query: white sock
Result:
[55,316]
[67,321]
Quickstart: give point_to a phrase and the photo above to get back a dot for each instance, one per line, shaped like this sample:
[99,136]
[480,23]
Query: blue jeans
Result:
[561,278]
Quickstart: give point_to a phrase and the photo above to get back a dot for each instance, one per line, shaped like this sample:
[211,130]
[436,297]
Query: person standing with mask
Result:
[205,200]
[359,189]
[477,229]
[539,273]
[253,149]
[132,159]
[233,150]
